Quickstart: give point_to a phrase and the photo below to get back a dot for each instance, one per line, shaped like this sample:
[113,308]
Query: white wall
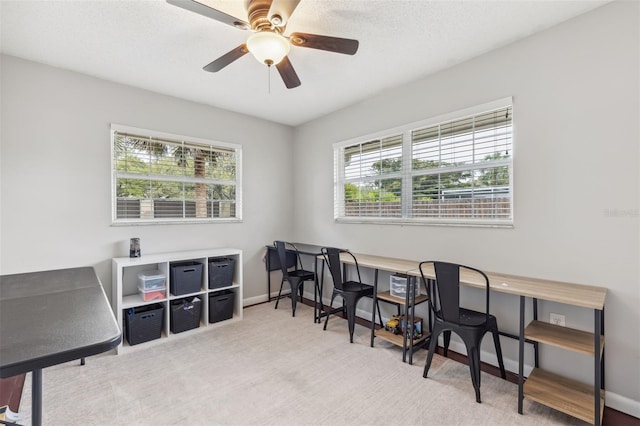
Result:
[576,157]
[55,189]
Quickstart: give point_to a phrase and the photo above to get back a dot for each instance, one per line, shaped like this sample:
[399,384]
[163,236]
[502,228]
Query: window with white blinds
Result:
[159,177]
[373,178]
[454,169]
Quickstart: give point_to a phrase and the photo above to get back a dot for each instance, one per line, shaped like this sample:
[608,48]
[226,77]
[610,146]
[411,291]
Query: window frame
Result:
[408,173]
[165,137]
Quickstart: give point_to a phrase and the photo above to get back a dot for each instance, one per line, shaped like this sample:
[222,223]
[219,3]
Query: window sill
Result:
[423,222]
[176,222]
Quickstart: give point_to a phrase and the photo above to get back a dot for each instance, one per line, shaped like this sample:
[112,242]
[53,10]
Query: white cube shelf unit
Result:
[126,296]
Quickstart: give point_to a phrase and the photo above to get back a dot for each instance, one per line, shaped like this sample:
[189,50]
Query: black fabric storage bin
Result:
[220,272]
[185,277]
[185,314]
[143,323]
[274,260]
[221,306]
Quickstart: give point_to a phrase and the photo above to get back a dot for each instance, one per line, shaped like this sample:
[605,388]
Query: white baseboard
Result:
[261,299]
[254,300]
[622,404]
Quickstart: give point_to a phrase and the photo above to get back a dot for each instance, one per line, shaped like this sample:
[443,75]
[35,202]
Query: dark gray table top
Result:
[51,317]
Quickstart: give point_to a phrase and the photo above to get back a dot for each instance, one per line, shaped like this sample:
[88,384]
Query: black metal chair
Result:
[295,277]
[350,291]
[471,326]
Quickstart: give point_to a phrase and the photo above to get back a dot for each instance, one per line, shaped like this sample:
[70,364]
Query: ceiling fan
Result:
[268,21]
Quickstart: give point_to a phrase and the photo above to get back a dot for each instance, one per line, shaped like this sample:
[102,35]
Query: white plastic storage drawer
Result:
[151,280]
[398,285]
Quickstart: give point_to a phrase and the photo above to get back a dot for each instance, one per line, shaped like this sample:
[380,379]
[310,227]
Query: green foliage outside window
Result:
[425,187]
[173,179]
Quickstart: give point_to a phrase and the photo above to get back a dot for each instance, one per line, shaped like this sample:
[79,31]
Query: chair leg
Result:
[301,291]
[296,287]
[433,343]
[447,339]
[351,317]
[473,354]
[326,319]
[496,341]
[279,293]
[294,300]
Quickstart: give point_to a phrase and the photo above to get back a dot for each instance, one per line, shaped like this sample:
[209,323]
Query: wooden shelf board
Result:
[386,296]
[396,339]
[562,337]
[560,393]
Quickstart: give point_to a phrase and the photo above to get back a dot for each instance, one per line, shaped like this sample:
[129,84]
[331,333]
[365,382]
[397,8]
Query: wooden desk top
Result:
[562,292]
[572,294]
[400,266]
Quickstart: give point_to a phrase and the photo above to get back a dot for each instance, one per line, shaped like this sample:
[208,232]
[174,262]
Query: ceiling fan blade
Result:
[284,9]
[209,12]
[287,73]
[331,44]
[227,58]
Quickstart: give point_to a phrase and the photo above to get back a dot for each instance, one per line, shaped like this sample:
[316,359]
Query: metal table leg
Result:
[536,346]
[521,357]
[597,385]
[315,291]
[318,311]
[268,266]
[373,307]
[36,395]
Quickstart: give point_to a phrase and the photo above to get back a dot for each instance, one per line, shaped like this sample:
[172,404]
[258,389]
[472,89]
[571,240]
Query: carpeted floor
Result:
[272,369]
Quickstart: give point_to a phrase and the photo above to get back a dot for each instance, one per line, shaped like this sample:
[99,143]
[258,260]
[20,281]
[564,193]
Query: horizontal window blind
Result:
[461,168]
[166,179]
[372,178]
[452,171]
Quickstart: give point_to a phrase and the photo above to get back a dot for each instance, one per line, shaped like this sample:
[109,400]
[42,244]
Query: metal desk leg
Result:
[36,395]
[597,366]
[319,289]
[521,357]
[409,326]
[268,266]
[603,349]
[315,291]
[536,353]
[373,307]
[407,318]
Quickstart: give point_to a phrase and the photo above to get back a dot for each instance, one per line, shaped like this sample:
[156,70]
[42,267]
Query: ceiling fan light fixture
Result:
[268,47]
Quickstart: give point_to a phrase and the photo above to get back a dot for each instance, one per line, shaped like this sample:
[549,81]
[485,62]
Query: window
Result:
[373,178]
[159,177]
[455,169]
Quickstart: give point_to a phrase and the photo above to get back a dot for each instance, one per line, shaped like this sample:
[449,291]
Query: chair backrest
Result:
[444,291]
[281,248]
[331,256]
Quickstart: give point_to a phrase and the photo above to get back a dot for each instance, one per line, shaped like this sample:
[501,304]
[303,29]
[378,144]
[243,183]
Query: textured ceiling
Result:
[156,46]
